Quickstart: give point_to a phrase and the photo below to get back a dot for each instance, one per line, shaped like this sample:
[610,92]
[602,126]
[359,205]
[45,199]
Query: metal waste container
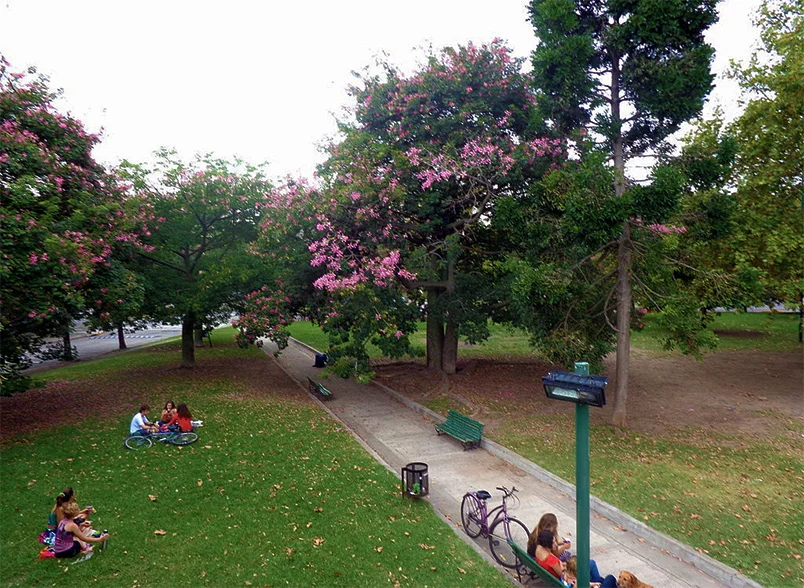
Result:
[415,481]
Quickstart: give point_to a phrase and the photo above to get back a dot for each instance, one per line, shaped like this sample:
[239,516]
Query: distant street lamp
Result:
[585,391]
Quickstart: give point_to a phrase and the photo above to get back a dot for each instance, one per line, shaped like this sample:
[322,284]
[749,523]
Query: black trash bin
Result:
[415,481]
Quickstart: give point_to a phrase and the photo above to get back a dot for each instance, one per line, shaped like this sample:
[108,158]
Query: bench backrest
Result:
[465,423]
[534,566]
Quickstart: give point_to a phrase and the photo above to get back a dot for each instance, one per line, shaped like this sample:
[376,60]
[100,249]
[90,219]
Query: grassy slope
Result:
[274,493]
[773,332]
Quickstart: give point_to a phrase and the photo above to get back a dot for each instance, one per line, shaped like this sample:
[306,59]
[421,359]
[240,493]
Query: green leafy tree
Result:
[770,161]
[628,74]
[115,300]
[206,214]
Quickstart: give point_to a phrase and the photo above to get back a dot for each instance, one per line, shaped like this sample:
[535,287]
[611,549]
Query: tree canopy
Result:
[61,214]
[413,184]
[206,213]
[621,77]
[769,169]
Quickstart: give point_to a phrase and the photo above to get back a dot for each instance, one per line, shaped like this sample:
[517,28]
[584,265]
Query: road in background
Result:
[92,346]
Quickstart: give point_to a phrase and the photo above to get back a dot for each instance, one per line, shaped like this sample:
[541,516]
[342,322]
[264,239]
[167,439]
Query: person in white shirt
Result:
[140,423]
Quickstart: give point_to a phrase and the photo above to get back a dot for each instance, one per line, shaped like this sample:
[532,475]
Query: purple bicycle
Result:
[475,519]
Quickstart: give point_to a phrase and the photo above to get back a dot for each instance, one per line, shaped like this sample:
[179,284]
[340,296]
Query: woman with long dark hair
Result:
[182,419]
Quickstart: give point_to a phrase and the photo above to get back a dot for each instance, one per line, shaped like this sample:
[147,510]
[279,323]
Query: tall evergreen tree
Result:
[628,73]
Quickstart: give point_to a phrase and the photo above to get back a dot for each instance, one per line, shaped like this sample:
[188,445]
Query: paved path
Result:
[400,435]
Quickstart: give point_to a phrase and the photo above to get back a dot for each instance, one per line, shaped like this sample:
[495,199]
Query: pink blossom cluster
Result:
[266,314]
[381,271]
[660,229]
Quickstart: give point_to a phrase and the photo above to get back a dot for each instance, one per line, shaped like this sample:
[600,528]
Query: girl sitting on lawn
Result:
[167,413]
[70,539]
[182,419]
[57,514]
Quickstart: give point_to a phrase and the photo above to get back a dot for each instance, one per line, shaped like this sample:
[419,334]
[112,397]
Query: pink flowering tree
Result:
[411,189]
[286,227]
[60,214]
[199,267]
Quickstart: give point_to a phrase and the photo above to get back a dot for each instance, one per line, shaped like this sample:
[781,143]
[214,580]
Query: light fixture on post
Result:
[584,391]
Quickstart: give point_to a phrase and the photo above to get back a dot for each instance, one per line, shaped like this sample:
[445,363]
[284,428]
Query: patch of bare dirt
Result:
[66,403]
[730,391]
[739,334]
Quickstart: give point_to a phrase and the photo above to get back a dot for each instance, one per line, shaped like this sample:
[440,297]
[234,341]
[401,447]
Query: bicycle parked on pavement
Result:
[496,524]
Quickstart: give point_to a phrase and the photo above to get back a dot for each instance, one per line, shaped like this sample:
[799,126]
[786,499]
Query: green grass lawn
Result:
[738,500]
[503,342]
[760,331]
[274,492]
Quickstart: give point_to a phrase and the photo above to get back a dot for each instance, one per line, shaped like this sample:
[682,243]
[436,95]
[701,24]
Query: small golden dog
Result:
[629,580]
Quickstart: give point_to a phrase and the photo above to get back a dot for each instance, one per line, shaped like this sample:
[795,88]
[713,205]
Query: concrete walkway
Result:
[401,432]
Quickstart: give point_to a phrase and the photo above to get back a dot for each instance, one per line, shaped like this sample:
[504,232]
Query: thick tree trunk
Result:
[199,337]
[121,338]
[187,343]
[68,347]
[435,332]
[623,327]
[449,357]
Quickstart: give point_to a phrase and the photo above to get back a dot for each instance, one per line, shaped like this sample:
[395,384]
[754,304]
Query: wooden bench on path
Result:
[467,431]
[317,389]
[528,566]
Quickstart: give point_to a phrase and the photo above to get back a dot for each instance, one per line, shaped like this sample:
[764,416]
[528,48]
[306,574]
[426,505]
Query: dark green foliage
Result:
[656,47]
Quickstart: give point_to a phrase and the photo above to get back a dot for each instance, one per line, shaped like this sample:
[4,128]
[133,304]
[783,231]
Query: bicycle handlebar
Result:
[507,492]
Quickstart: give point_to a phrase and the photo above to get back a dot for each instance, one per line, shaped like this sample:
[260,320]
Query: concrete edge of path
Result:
[717,570]
[465,538]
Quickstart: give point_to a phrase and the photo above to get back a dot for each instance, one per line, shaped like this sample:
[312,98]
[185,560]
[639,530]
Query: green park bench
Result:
[467,431]
[317,389]
[530,568]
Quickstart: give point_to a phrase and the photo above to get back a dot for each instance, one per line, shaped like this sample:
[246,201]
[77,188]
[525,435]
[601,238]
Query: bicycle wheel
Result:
[137,442]
[498,542]
[470,516]
[183,438]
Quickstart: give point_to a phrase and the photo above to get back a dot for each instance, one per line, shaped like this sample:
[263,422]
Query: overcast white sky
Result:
[260,79]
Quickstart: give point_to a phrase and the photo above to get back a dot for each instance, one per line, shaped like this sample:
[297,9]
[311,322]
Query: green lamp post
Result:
[585,391]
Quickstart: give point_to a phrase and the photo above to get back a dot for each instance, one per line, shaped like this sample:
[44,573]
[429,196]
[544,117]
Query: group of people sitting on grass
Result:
[173,418]
[69,532]
[551,551]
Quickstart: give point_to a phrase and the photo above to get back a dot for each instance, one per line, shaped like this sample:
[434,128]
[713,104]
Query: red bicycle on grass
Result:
[475,519]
